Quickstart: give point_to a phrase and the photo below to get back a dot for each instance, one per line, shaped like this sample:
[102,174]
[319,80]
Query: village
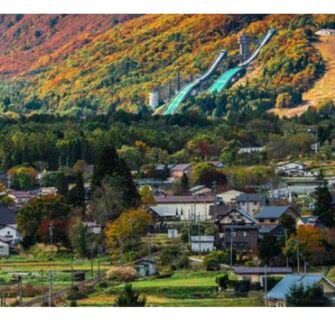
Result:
[251,247]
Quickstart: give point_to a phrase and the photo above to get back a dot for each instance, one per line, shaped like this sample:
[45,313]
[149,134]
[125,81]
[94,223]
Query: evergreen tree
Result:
[323,206]
[76,195]
[108,164]
[184,182]
[129,298]
[62,185]
[299,296]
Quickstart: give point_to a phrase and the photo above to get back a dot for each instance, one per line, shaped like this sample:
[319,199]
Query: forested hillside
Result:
[82,64]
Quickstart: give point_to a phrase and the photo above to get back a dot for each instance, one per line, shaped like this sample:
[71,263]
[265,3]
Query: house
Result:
[165,213]
[93,227]
[202,243]
[273,214]
[20,197]
[250,150]
[291,169]
[10,235]
[256,275]
[7,217]
[275,230]
[251,202]
[184,207]
[200,190]
[311,221]
[180,169]
[218,210]
[229,196]
[239,228]
[146,267]
[277,296]
[45,191]
[4,249]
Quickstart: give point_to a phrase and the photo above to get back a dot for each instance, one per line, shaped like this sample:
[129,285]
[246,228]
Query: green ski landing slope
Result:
[224,80]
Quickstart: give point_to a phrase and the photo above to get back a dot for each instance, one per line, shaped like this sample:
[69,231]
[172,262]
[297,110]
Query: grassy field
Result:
[182,289]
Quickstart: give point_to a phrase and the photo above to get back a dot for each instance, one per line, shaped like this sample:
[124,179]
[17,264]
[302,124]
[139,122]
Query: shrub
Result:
[41,250]
[122,274]
[222,281]
[130,298]
[213,260]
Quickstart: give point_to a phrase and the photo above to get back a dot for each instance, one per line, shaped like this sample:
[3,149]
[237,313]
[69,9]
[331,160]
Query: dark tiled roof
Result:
[7,216]
[262,270]
[185,199]
[218,209]
[272,212]
[256,197]
[268,228]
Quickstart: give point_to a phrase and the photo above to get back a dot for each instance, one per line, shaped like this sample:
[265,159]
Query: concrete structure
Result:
[184,207]
[325,32]
[244,42]
[202,243]
[277,296]
[146,267]
[257,275]
[251,202]
[4,249]
[154,99]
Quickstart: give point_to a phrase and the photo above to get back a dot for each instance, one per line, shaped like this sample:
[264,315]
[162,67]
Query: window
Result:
[244,234]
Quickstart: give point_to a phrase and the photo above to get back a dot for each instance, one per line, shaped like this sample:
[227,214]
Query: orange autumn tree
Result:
[311,241]
[124,234]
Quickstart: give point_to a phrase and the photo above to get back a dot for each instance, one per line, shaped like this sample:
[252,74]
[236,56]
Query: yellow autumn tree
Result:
[124,234]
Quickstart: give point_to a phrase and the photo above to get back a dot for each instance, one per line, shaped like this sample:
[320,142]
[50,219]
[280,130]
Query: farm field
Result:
[182,289]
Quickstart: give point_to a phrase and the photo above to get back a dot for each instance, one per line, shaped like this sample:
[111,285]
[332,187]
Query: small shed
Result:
[4,249]
[172,233]
[202,243]
[146,267]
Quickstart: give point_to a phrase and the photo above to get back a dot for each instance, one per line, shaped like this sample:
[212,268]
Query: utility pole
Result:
[231,247]
[265,282]
[72,271]
[199,234]
[50,289]
[286,254]
[298,257]
[51,227]
[99,270]
[20,289]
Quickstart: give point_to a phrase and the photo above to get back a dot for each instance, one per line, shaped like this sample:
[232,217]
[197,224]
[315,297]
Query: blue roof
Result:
[283,287]
[272,212]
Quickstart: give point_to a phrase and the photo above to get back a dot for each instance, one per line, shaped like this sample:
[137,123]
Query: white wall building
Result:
[202,243]
[4,249]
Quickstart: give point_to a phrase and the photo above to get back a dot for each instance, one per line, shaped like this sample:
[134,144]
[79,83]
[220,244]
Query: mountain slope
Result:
[89,63]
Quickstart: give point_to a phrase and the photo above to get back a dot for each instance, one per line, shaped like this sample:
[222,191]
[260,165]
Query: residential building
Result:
[311,221]
[250,150]
[20,197]
[202,243]
[256,275]
[10,235]
[291,169]
[275,230]
[180,169]
[146,267]
[184,207]
[239,229]
[7,217]
[273,214]
[200,190]
[229,196]
[162,213]
[276,297]
[4,249]
[218,210]
[325,32]
[251,202]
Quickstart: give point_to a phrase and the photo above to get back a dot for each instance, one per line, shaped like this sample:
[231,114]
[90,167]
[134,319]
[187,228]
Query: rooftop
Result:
[272,212]
[256,197]
[7,216]
[262,270]
[283,287]
[185,199]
